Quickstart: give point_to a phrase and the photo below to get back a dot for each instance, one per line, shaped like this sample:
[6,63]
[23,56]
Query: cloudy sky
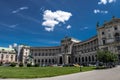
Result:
[46,22]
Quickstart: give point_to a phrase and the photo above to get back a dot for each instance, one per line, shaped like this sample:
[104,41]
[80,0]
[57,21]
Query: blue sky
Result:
[46,22]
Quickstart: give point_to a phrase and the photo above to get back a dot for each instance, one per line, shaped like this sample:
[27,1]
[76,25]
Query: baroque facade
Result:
[72,51]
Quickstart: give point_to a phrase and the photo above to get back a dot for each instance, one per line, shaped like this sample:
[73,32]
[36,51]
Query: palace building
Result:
[73,51]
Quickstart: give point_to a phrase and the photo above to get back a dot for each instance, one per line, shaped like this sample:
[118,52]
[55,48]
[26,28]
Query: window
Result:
[89,58]
[53,60]
[103,33]
[117,37]
[35,60]
[2,56]
[39,54]
[115,28]
[118,47]
[104,42]
[35,54]
[86,59]
[42,61]
[79,59]
[49,60]
[42,54]
[82,59]
[75,60]
[11,57]
[7,56]
[38,60]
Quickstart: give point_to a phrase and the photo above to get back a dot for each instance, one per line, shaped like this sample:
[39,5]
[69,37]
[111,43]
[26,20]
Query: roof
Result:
[7,49]
[72,39]
[108,22]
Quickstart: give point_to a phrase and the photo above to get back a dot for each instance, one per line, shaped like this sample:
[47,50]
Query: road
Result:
[107,74]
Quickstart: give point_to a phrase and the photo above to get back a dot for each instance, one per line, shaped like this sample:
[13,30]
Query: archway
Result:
[60,60]
[69,60]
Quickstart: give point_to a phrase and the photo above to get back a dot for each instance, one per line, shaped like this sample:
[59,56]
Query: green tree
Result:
[106,57]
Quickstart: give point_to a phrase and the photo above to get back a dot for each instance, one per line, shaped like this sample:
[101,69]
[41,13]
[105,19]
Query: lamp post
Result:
[80,68]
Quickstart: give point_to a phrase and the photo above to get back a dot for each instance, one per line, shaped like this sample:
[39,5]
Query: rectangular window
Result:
[118,47]
[11,57]
[104,42]
[7,56]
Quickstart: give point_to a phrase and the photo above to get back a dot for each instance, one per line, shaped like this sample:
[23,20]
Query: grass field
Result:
[38,72]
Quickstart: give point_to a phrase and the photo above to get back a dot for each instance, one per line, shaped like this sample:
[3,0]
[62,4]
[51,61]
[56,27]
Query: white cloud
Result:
[23,8]
[51,19]
[68,27]
[20,9]
[84,28]
[13,26]
[96,11]
[8,26]
[106,1]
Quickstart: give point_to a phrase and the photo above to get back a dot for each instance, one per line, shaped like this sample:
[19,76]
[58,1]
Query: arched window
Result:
[79,59]
[82,59]
[35,60]
[93,58]
[45,60]
[42,61]
[53,60]
[115,28]
[86,59]
[38,60]
[76,60]
[89,58]
[49,60]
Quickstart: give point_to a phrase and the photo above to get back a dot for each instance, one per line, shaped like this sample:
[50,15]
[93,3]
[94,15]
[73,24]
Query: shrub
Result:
[21,65]
[29,65]
[36,65]
[13,64]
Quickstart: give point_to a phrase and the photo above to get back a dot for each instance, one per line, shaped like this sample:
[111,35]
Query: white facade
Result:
[72,51]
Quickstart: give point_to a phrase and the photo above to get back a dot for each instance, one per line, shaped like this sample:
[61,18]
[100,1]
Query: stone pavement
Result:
[108,74]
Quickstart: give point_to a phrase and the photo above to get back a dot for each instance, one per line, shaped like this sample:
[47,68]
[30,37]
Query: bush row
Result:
[21,65]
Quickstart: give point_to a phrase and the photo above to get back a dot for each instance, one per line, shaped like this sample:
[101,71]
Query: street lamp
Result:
[80,68]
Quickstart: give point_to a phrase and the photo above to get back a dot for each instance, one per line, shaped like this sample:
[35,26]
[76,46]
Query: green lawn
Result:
[38,72]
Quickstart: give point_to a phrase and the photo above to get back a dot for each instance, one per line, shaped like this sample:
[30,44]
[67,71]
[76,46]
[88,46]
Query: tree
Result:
[106,57]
